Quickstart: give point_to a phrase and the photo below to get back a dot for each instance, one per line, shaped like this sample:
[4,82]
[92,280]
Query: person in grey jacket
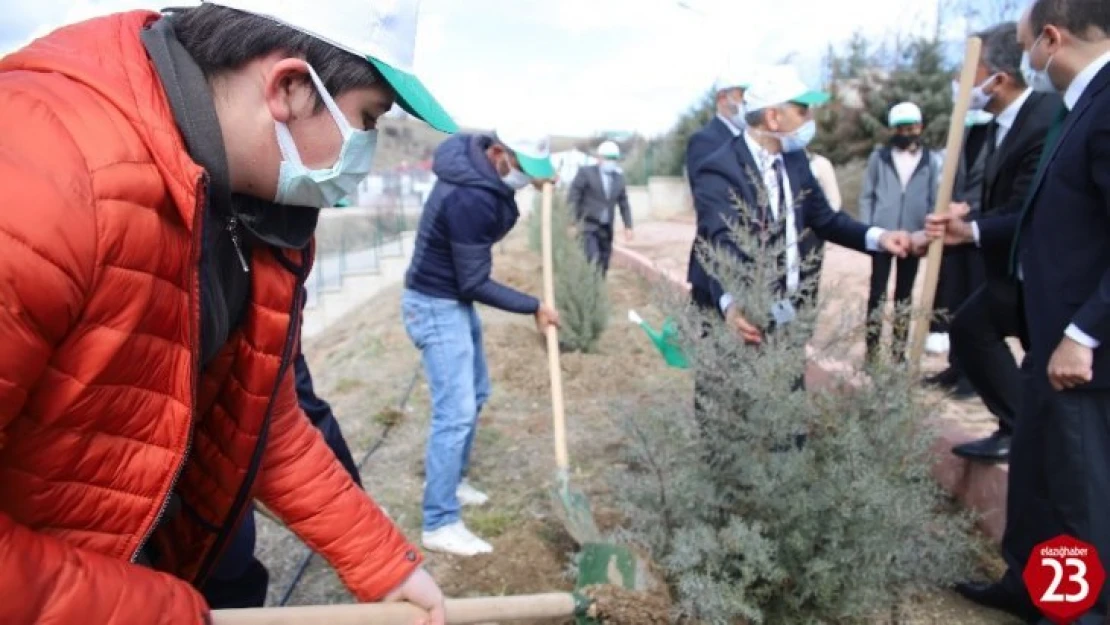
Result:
[899,190]
[596,191]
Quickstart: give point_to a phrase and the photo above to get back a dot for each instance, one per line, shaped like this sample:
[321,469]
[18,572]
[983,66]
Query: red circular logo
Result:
[1064,577]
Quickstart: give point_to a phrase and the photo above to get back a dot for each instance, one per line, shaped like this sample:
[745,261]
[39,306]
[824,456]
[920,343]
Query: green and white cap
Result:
[779,84]
[904,114]
[381,31]
[531,149]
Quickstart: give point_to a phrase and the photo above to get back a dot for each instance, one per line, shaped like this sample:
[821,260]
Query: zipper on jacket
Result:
[236,511]
[233,230]
[194,311]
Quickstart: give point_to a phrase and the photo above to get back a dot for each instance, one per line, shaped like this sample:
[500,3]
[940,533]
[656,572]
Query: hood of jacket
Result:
[461,160]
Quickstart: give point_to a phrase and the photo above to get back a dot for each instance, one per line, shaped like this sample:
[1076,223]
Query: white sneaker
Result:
[937,343]
[455,539]
[470,496]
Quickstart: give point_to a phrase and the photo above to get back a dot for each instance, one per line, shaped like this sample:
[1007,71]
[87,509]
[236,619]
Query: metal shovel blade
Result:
[573,509]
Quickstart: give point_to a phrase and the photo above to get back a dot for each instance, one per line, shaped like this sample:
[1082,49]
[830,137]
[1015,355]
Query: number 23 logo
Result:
[1052,594]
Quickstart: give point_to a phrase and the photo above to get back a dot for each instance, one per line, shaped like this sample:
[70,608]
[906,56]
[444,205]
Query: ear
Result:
[288,90]
[1053,38]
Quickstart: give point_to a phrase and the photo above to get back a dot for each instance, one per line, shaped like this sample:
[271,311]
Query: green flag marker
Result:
[665,340]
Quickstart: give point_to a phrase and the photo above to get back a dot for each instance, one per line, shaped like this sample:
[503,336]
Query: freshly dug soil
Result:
[613,605]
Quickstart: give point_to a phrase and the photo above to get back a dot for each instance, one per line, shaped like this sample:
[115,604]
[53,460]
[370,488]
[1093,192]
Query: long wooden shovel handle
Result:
[952,153]
[459,612]
[562,459]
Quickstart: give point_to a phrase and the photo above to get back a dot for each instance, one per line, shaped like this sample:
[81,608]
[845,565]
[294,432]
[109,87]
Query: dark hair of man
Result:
[1088,20]
[222,40]
[1002,51]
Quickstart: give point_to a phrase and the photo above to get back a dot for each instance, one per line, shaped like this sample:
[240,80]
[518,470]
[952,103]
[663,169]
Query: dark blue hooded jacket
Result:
[468,211]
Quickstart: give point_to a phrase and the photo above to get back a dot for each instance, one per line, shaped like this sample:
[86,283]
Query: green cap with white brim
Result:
[531,149]
[381,31]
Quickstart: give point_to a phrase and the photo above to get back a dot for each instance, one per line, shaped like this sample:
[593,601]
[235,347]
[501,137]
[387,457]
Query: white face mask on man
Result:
[515,179]
[1038,79]
[320,188]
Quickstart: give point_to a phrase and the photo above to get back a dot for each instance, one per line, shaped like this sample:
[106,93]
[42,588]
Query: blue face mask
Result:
[320,188]
[797,140]
[1038,79]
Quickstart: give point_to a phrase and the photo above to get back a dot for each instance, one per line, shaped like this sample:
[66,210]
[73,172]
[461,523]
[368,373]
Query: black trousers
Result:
[1059,478]
[598,242]
[905,272]
[978,343]
[239,579]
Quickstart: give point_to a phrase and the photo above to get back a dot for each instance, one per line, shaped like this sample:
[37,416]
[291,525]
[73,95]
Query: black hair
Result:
[221,40]
[1002,51]
[1088,20]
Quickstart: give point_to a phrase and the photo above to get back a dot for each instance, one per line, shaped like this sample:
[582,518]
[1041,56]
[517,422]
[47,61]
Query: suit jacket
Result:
[968,186]
[706,141]
[731,169]
[1007,178]
[1064,244]
[593,208]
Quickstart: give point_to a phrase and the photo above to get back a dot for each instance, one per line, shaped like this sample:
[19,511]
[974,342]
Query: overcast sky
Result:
[581,66]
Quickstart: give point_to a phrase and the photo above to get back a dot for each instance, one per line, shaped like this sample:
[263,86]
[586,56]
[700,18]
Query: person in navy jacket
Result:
[1059,254]
[471,207]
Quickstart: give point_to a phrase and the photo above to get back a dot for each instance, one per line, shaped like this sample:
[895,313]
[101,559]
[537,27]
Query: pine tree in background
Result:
[924,78]
[580,293]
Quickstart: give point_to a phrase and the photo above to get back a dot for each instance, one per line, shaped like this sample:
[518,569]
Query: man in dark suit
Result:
[1014,142]
[595,194]
[1059,480]
[726,123]
[767,169]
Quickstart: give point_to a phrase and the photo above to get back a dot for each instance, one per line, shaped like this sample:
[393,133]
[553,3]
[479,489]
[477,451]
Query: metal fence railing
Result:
[353,241]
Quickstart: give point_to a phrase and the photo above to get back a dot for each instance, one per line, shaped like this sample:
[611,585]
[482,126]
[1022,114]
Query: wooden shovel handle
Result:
[562,459]
[952,153]
[459,612]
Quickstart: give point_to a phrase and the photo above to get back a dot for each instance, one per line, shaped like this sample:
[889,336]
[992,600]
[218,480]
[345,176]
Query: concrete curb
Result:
[981,488]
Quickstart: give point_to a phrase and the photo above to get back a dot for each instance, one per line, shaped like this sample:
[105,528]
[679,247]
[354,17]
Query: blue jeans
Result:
[448,334]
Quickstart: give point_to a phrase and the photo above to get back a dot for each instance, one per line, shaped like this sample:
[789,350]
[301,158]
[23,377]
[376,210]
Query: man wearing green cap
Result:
[163,175]
[471,207]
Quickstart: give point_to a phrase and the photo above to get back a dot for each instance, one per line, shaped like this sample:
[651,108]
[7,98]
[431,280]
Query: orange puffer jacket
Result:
[103,409]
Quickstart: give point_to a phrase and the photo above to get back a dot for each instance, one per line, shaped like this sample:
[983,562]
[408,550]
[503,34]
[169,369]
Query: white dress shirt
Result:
[765,161]
[1071,97]
[905,163]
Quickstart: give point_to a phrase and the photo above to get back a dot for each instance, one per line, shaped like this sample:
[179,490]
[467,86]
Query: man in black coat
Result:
[1014,143]
[771,150]
[726,123]
[1059,479]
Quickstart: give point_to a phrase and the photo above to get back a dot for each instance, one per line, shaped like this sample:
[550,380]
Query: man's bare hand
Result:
[949,228]
[959,209]
[422,591]
[896,242]
[1071,365]
[919,243]
[629,235]
[546,315]
[747,331]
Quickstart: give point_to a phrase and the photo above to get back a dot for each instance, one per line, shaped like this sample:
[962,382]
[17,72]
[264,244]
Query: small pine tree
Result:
[580,293]
[776,505]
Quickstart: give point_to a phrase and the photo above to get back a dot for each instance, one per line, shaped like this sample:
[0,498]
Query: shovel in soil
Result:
[598,563]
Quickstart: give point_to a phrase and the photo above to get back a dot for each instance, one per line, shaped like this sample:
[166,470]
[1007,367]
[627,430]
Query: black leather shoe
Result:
[996,597]
[945,380]
[994,448]
[963,390]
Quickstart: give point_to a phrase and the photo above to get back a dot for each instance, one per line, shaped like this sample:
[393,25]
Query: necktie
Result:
[1049,147]
[781,209]
[992,137]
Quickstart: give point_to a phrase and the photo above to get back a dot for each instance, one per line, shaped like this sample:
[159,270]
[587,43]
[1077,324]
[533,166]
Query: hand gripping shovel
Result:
[598,563]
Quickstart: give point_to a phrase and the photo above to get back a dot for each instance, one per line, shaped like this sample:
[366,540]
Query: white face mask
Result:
[319,188]
[979,96]
[516,179]
[609,166]
[1038,79]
